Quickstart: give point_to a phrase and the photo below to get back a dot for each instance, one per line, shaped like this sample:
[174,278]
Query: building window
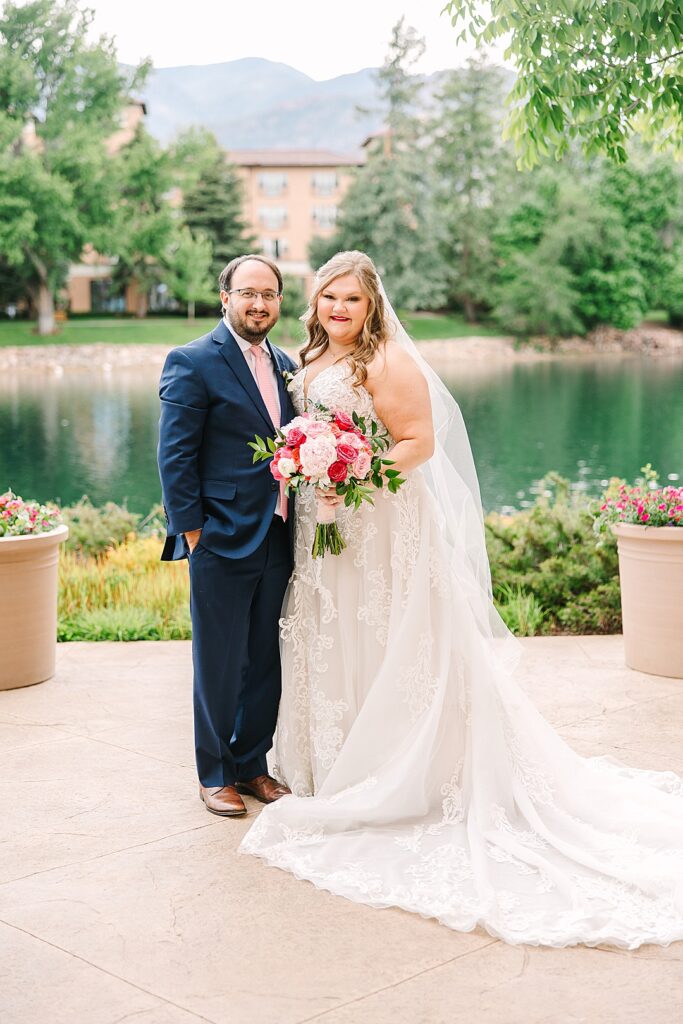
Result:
[324,216]
[324,183]
[161,299]
[272,183]
[272,217]
[107,297]
[275,248]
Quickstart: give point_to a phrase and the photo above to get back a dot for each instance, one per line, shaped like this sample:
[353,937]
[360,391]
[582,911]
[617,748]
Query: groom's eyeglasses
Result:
[250,293]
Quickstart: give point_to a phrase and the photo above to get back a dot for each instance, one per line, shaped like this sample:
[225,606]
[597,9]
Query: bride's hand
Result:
[328,496]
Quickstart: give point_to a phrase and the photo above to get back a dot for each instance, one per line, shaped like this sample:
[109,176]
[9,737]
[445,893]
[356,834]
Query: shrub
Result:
[521,612]
[550,553]
[551,572]
[92,530]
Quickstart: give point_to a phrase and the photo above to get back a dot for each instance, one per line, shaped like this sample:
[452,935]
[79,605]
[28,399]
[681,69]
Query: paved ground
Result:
[121,899]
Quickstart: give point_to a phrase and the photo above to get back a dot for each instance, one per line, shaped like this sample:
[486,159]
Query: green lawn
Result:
[154,331]
[176,330]
[431,327]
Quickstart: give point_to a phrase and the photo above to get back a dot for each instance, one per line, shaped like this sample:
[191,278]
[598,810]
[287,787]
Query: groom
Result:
[230,518]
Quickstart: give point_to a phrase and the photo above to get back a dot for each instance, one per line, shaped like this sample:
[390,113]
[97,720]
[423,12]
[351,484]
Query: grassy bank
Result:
[176,330]
[550,573]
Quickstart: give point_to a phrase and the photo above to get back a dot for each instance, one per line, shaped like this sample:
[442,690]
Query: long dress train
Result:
[423,776]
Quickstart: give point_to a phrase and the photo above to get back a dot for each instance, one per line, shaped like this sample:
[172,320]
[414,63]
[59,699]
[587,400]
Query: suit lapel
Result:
[235,359]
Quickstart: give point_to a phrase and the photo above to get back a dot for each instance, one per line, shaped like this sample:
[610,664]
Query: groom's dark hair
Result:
[226,274]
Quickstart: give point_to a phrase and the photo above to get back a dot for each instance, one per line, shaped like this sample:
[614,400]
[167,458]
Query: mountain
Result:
[259,104]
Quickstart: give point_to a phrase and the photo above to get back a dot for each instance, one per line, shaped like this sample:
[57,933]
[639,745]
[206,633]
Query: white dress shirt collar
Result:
[242,342]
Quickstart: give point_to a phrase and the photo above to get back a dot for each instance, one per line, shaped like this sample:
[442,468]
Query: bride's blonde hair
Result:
[375,333]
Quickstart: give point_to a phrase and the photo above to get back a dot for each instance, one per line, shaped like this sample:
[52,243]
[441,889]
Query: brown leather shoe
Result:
[264,788]
[223,800]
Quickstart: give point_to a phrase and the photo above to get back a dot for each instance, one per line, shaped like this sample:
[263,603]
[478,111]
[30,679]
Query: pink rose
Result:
[361,466]
[353,439]
[295,437]
[338,472]
[316,428]
[274,466]
[346,453]
[343,421]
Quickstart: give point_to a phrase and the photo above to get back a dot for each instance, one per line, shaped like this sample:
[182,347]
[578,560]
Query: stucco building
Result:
[291,196]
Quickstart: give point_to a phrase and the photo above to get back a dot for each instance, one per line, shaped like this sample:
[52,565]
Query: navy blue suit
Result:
[211,408]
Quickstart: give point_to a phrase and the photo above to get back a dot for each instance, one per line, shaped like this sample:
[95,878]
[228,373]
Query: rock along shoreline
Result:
[646,340]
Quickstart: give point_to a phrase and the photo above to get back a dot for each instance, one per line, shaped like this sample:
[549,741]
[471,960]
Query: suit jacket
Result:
[211,408]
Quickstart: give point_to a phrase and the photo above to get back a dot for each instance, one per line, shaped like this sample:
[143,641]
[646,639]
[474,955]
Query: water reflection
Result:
[587,418]
[95,433]
[81,433]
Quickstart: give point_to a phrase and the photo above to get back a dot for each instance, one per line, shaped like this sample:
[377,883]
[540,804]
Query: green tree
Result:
[565,260]
[671,295]
[648,193]
[473,169]
[60,98]
[389,209]
[293,298]
[213,199]
[193,151]
[188,269]
[596,70]
[145,226]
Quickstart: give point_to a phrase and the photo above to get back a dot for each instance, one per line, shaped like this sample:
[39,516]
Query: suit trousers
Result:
[235,605]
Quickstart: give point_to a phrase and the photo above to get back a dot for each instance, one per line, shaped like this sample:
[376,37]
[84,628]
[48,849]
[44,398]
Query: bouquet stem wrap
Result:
[327,535]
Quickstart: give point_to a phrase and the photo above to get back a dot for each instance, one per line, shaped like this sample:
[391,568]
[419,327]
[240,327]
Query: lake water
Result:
[94,433]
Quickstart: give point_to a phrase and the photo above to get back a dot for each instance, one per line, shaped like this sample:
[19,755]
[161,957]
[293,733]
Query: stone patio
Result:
[121,899]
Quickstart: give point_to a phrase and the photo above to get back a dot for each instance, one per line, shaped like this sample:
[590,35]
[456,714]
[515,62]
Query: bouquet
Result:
[644,504]
[330,449]
[19,518]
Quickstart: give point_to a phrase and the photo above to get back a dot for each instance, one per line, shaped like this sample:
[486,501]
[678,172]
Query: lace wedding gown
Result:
[423,777]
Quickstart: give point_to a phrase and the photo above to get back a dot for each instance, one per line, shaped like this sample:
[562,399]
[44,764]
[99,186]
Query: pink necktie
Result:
[264,380]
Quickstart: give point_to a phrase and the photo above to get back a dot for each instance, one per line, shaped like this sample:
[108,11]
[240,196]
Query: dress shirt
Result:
[250,359]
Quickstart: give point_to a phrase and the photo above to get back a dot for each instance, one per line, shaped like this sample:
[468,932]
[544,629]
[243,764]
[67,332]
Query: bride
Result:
[422,776]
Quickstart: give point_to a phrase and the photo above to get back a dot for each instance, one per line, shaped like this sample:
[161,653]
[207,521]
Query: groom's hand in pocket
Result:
[192,539]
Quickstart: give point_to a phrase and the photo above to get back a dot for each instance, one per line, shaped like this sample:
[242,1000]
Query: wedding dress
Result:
[423,777]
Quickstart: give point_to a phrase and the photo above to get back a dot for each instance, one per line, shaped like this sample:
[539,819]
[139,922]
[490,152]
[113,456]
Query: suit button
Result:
[274,487]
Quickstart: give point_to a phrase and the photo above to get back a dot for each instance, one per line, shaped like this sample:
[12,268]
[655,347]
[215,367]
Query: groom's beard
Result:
[251,330]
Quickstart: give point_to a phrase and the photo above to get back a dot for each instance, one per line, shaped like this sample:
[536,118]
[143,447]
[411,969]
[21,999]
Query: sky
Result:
[322,38]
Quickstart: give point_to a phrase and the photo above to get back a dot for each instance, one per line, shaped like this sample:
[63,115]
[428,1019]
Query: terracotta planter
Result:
[28,607]
[651,575]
